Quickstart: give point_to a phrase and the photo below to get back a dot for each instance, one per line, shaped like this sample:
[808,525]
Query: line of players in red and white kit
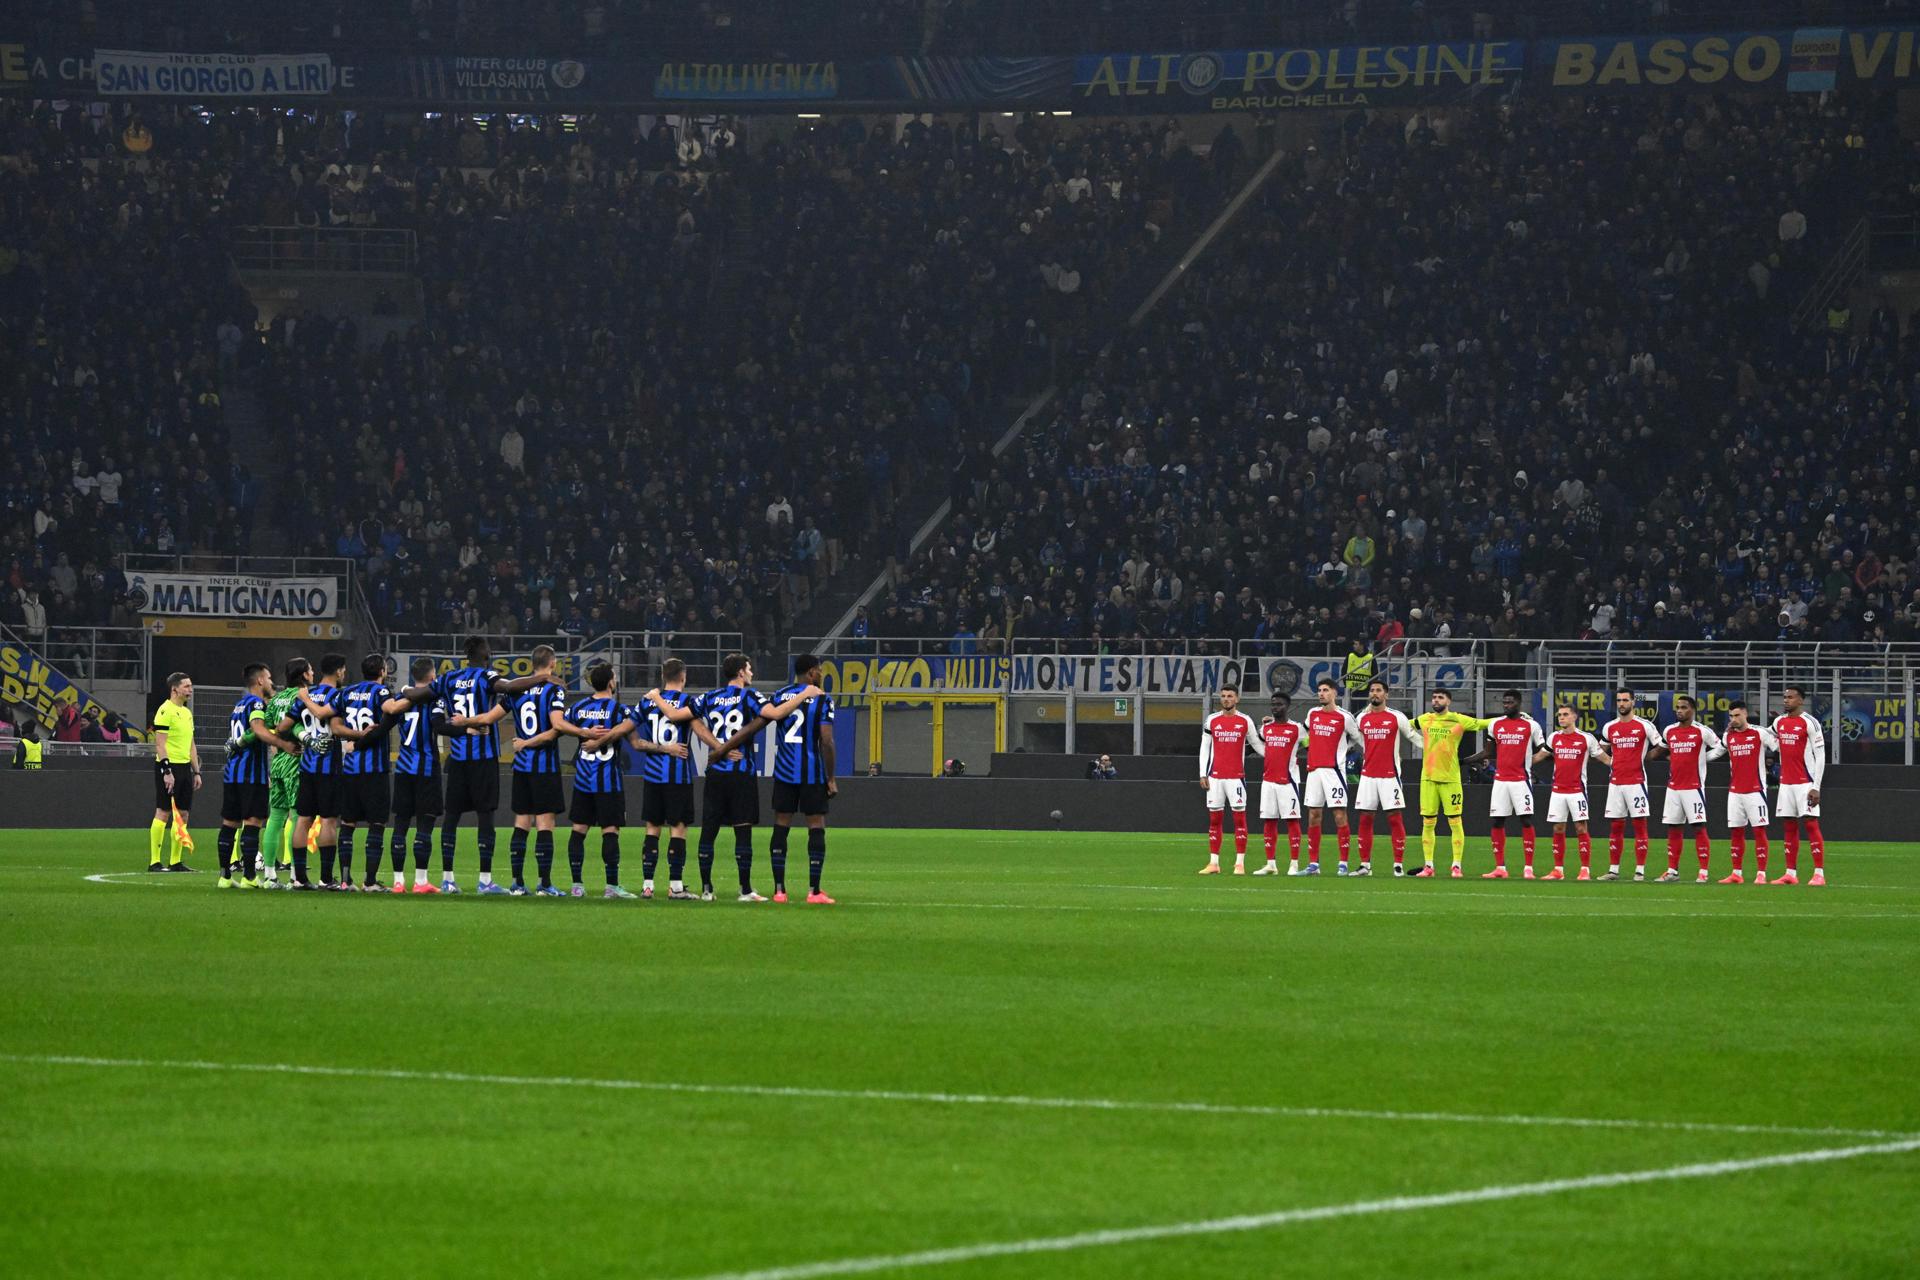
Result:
[1515,743]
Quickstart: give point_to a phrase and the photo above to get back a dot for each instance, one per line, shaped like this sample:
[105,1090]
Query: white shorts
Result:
[1227,793]
[1280,800]
[1792,802]
[1511,800]
[1684,808]
[1567,806]
[1747,809]
[1377,794]
[1629,801]
[1326,789]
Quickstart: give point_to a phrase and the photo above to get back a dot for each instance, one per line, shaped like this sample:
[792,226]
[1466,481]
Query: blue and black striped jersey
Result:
[727,710]
[418,756]
[798,759]
[249,764]
[360,709]
[532,715]
[598,769]
[468,691]
[655,727]
[319,762]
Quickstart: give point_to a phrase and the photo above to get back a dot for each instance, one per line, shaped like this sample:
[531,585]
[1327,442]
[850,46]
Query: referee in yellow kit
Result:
[176,773]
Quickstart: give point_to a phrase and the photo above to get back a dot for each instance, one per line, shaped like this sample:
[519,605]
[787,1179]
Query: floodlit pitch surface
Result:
[1001,1055]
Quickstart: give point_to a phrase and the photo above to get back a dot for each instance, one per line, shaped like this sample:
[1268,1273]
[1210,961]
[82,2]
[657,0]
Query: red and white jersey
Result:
[1627,739]
[1282,739]
[1747,758]
[1690,747]
[1381,729]
[1572,749]
[1224,739]
[1515,739]
[1803,750]
[1329,730]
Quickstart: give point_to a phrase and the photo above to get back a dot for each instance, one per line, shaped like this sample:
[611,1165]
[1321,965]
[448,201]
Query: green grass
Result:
[1046,966]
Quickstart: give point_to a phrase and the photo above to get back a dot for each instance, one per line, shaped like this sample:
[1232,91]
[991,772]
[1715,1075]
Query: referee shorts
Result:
[177,776]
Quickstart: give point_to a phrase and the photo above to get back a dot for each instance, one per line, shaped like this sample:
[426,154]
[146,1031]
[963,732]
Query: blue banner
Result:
[1287,78]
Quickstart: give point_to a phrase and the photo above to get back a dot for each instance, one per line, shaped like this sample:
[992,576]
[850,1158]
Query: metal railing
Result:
[87,654]
[364,250]
[1837,276]
[637,654]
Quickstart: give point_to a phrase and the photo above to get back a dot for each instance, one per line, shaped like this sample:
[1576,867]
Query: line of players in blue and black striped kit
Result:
[346,734]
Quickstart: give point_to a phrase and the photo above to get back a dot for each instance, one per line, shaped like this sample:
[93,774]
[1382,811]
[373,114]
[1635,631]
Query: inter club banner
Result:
[197,595]
[28,680]
[204,76]
[1289,78]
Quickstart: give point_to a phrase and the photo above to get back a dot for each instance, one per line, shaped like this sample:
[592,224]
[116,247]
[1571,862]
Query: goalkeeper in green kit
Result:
[283,776]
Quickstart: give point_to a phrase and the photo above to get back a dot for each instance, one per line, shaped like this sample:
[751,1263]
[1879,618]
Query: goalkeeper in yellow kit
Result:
[1440,731]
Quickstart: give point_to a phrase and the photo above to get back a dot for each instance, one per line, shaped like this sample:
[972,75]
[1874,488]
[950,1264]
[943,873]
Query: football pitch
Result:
[1001,1055]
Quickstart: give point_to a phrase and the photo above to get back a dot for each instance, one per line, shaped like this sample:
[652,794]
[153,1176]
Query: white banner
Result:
[200,76]
[198,595]
[1116,677]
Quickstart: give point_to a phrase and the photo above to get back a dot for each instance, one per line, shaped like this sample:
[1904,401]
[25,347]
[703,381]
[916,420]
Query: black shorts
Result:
[733,800]
[667,804]
[473,786]
[365,797]
[598,809]
[809,798]
[318,797]
[416,796]
[535,793]
[240,801]
[182,793]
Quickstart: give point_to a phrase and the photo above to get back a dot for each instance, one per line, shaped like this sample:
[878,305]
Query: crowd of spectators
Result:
[645,393]
[1519,374]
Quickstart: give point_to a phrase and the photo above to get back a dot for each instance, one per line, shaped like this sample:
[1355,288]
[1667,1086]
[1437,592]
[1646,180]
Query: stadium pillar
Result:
[1833,717]
[1139,726]
[1912,721]
[1073,717]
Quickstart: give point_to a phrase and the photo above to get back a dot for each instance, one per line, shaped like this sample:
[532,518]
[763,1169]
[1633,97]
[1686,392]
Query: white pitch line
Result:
[945,1099]
[1318,1213]
[120,877]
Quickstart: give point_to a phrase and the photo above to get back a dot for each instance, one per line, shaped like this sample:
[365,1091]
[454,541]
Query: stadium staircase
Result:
[924,513]
[255,448]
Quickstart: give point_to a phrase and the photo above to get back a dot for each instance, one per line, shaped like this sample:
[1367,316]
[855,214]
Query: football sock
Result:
[676,859]
[1344,838]
[610,856]
[376,841]
[1616,843]
[423,850]
[1239,833]
[1457,833]
[1216,822]
[1737,838]
[543,857]
[448,834]
[397,848]
[649,857]
[577,854]
[483,824]
[1293,838]
[1526,843]
[1313,844]
[327,852]
[1397,828]
[344,849]
[250,852]
[1640,842]
[1270,837]
[156,839]
[300,864]
[1366,839]
[1816,844]
[1429,837]
[517,854]
[777,855]
[1702,846]
[1759,848]
[285,851]
[1499,834]
[743,856]
[1792,841]
[817,853]
[1673,849]
[1586,849]
[705,856]
[223,845]
[1559,850]
[275,820]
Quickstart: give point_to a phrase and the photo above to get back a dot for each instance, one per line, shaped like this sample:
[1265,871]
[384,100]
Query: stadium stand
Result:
[1446,383]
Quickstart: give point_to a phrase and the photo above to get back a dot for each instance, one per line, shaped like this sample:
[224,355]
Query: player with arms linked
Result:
[602,722]
[416,781]
[366,793]
[244,798]
[803,781]
[667,798]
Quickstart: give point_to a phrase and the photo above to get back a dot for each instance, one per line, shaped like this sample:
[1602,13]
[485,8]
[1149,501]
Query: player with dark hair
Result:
[1803,765]
[803,777]
[417,770]
[467,694]
[1331,733]
[1632,740]
[602,722]
[1691,746]
[318,800]
[244,780]
[367,711]
[1512,742]
[1281,739]
[537,801]
[667,797]
[1747,746]
[283,772]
